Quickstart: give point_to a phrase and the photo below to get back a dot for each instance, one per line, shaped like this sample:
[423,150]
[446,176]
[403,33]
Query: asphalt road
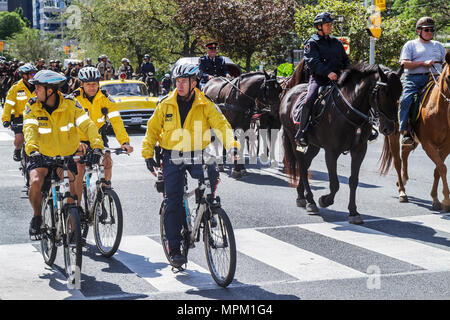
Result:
[400,252]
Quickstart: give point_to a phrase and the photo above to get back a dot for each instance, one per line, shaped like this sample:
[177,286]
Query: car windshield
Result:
[126,89]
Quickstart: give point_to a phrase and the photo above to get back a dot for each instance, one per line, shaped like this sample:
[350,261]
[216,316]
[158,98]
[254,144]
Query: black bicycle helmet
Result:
[186,71]
[323,17]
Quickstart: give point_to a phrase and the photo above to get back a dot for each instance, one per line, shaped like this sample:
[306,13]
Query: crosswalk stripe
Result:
[413,252]
[5,137]
[146,258]
[299,263]
[25,276]
[436,222]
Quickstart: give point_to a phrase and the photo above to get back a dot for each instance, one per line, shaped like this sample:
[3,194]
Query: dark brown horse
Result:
[433,132]
[345,125]
[240,98]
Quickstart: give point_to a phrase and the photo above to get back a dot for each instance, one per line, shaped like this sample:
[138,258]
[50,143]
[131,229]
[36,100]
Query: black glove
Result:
[151,164]
[6,124]
[37,159]
[94,156]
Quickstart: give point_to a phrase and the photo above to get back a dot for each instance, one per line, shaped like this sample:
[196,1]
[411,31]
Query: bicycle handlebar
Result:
[115,150]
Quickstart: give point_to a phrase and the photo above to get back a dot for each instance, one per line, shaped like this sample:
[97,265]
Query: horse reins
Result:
[437,84]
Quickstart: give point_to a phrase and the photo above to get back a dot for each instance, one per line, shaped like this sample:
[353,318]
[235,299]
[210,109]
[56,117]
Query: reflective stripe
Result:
[102,119]
[67,128]
[114,114]
[22,98]
[30,121]
[81,119]
[10,102]
[45,130]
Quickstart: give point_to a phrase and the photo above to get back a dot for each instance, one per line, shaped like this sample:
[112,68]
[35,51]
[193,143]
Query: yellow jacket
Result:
[94,111]
[57,134]
[16,100]
[165,126]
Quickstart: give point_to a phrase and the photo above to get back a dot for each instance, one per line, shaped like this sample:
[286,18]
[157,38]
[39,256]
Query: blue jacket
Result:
[324,56]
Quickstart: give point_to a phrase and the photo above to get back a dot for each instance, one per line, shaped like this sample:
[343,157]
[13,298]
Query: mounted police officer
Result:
[146,67]
[326,57]
[211,65]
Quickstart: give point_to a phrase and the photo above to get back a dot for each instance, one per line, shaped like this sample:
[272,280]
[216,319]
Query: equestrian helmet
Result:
[321,18]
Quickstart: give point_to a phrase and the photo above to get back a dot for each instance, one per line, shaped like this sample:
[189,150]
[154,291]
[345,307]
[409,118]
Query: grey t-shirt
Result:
[415,50]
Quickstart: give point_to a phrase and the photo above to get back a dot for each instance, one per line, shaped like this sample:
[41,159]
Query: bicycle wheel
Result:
[72,244]
[108,222]
[48,246]
[84,219]
[164,241]
[220,248]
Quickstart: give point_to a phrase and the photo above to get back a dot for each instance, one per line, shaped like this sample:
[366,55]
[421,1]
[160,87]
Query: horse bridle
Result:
[374,110]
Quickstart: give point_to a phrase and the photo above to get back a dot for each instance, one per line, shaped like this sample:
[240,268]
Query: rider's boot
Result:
[300,137]
[16,155]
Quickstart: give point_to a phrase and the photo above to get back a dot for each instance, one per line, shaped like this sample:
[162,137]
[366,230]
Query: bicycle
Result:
[218,235]
[60,219]
[102,208]
[23,162]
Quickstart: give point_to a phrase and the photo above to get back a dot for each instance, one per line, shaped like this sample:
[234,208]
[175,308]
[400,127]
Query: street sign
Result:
[2,45]
[346,43]
[374,22]
[381,4]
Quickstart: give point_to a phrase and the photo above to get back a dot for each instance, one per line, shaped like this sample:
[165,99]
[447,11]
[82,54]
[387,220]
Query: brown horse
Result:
[433,132]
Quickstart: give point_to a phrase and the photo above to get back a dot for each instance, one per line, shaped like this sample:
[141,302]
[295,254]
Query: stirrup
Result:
[176,270]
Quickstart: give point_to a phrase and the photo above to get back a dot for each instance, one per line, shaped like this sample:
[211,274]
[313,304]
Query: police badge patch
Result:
[307,48]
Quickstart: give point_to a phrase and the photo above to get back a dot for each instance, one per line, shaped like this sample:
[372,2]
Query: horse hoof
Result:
[446,208]
[403,198]
[220,168]
[311,207]
[355,219]
[236,174]
[323,202]
[301,203]
[436,206]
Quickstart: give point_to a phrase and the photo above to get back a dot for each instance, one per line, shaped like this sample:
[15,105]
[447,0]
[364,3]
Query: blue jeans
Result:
[412,85]
[173,194]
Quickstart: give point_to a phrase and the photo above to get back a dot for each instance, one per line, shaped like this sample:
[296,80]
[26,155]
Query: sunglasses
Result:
[428,29]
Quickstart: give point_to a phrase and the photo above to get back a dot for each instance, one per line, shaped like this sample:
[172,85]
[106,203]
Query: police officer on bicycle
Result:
[50,129]
[181,124]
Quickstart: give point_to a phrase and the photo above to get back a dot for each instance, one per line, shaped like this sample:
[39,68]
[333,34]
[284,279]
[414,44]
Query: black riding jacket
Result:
[325,55]
[210,67]
[146,68]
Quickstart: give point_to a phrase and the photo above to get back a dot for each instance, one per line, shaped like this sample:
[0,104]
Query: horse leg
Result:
[437,206]
[357,155]
[394,149]
[301,200]
[331,161]
[405,154]
[305,161]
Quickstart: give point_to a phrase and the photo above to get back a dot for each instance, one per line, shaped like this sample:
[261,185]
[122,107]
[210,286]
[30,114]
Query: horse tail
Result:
[290,162]
[386,157]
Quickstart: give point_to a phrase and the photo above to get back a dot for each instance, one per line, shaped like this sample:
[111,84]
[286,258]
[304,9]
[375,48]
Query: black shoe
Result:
[408,140]
[16,155]
[373,136]
[35,226]
[176,258]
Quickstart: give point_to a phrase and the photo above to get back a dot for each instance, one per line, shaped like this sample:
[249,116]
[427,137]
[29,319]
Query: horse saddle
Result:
[417,102]
[318,107]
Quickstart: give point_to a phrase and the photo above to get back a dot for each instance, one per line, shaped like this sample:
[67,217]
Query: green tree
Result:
[29,45]
[242,28]
[395,31]
[10,23]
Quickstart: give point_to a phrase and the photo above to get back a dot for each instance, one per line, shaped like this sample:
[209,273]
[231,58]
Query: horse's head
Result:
[271,90]
[385,98]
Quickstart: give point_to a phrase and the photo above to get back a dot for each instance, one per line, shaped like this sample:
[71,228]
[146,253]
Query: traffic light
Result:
[374,24]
